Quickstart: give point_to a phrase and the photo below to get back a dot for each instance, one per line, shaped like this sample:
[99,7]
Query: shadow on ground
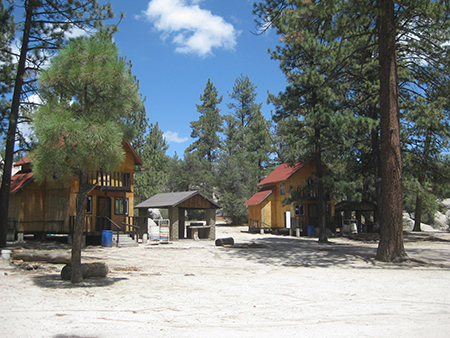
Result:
[54,281]
[297,252]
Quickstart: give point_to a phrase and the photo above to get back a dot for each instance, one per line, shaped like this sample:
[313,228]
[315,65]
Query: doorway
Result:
[103,211]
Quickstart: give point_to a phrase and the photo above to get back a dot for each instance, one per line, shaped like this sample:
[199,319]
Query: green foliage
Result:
[88,93]
[7,31]
[244,156]
[152,177]
[206,130]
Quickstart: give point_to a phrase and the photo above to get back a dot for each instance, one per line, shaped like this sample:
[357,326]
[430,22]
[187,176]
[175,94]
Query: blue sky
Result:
[176,45]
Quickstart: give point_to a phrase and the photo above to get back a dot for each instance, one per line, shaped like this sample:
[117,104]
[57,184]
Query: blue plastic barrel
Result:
[310,230]
[107,238]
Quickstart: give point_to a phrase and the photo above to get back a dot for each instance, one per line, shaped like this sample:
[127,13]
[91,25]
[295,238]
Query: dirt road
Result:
[274,286]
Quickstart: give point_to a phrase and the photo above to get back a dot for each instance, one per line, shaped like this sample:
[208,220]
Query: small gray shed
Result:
[177,203]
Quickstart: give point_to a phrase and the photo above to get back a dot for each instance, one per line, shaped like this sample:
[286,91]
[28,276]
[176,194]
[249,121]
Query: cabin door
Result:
[103,211]
[313,216]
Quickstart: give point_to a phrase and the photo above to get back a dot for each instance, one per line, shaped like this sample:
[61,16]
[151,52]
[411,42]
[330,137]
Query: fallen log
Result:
[55,257]
[224,241]
[88,270]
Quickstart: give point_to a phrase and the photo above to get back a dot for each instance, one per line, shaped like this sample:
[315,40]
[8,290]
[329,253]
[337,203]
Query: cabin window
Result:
[299,210]
[121,206]
[88,204]
[283,188]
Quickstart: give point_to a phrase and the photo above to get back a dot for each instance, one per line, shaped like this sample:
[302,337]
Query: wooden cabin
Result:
[50,208]
[267,209]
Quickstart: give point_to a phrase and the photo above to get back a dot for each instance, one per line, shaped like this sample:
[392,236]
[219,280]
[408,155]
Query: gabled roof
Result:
[260,196]
[19,180]
[24,160]
[172,199]
[137,159]
[282,173]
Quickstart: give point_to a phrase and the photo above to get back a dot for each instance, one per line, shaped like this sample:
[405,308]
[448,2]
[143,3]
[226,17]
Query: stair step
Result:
[125,241]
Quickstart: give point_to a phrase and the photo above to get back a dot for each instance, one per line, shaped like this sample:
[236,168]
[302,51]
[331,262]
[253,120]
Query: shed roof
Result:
[175,199]
[282,173]
[260,196]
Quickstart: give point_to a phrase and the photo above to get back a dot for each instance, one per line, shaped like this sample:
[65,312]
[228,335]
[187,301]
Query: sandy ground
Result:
[277,286]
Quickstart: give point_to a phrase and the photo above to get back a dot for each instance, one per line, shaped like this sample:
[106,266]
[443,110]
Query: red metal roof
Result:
[23,160]
[19,180]
[259,196]
[282,173]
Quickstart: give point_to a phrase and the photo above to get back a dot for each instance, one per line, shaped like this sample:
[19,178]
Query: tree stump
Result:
[88,270]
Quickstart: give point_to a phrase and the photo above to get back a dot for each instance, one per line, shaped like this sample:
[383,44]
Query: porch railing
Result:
[114,180]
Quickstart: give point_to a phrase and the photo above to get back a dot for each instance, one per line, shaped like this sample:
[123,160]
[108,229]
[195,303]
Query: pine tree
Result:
[363,31]
[208,127]
[151,178]
[88,93]
[245,151]
[43,32]
[313,57]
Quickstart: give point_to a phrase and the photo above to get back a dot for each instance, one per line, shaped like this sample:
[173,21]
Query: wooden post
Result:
[211,221]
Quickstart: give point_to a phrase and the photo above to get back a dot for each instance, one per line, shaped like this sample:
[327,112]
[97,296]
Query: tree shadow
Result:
[54,281]
[298,252]
[72,336]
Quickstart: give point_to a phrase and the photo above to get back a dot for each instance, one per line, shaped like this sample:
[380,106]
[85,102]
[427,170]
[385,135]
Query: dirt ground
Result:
[265,286]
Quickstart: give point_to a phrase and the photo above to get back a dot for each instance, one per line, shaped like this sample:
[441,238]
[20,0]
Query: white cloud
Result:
[173,137]
[194,30]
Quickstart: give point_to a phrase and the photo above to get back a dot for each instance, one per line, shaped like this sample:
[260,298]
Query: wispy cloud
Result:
[193,30]
[173,137]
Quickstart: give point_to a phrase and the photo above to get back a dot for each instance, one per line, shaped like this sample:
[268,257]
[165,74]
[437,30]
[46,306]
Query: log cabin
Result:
[269,210]
[50,207]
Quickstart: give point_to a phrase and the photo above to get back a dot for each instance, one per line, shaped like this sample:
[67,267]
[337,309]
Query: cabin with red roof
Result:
[50,207]
[267,209]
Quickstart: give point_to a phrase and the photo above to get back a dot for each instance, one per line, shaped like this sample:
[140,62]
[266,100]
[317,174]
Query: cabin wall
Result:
[41,208]
[272,210]
[48,207]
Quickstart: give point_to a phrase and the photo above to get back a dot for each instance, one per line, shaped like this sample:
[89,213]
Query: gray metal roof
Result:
[170,199]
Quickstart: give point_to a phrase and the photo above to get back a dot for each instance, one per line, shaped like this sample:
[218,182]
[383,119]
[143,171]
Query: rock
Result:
[88,270]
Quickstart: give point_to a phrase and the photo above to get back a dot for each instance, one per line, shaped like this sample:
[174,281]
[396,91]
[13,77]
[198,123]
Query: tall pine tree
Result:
[43,30]
[88,93]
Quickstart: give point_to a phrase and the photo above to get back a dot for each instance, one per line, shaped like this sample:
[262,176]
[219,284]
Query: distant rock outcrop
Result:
[441,219]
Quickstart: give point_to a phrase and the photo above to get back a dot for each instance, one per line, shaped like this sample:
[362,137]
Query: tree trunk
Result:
[320,191]
[418,209]
[391,246]
[421,179]
[377,172]
[77,273]
[12,128]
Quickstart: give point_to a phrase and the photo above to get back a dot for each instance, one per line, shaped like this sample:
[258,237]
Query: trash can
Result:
[6,255]
[107,238]
[310,230]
